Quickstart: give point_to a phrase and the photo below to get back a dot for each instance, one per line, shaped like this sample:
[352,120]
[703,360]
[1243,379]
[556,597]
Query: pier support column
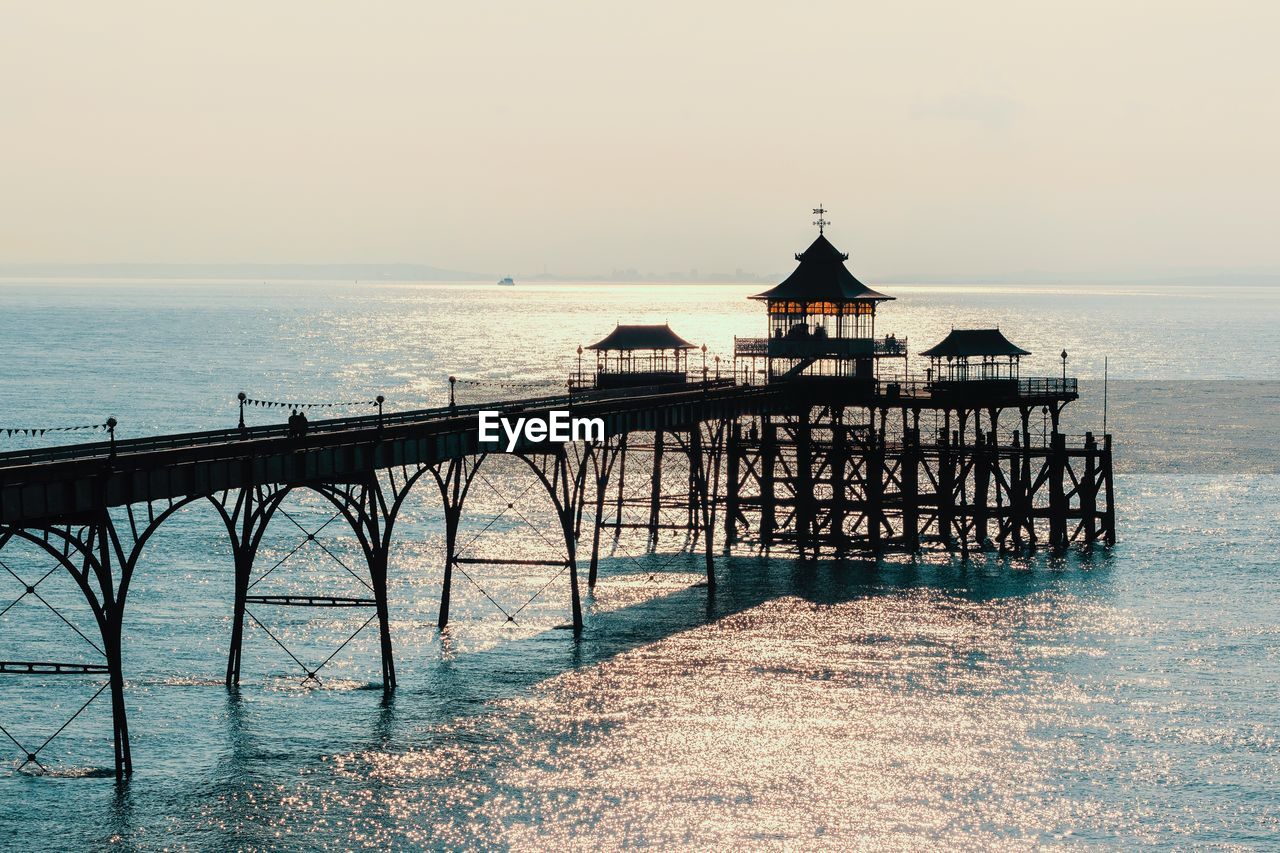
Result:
[566,490]
[963,503]
[110,614]
[981,488]
[1057,491]
[1088,490]
[697,486]
[839,464]
[593,569]
[655,487]
[768,477]
[946,483]
[378,580]
[1026,516]
[874,497]
[372,518]
[1109,515]
[246,521]
[734,460]
[803,483]
[453,478]
[1018,514]
[119,718]
[995,476]
[571,556]
[703,493]
[693,520]
[446,586]
[622,479]
[243,570]
[910,478]
[603,461]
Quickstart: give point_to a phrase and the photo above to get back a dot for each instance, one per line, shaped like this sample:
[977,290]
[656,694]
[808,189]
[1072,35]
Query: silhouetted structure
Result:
[822,322]
[826,456]
[974,355]
[632,356]
[848,465]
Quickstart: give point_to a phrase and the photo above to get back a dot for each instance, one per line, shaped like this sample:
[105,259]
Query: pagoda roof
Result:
[822,277]
[642,337]
[963,343]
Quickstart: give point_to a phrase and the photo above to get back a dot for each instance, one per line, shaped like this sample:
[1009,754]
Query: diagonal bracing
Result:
[11,667]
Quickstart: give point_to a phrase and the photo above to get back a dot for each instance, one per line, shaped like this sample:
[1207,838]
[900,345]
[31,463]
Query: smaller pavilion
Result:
[974,355]
[637,355]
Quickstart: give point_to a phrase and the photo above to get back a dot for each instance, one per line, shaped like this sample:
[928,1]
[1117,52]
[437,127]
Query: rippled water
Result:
[1115,699]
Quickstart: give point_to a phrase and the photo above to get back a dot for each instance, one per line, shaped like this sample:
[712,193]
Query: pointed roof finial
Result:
[821,221]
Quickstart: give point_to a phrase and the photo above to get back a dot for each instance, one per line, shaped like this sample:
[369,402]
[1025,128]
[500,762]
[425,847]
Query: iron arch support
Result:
[371,511]
[246,523]
[565,489]
[95,544]
[454,479]
[603,460]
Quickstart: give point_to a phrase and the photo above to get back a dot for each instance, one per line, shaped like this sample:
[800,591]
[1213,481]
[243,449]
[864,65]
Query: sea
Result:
[1115,698]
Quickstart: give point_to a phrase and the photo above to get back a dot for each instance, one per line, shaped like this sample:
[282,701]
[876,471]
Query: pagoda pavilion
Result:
[822,321]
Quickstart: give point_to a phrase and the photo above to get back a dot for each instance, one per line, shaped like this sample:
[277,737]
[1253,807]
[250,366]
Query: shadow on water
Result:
[464,683]
[436,694]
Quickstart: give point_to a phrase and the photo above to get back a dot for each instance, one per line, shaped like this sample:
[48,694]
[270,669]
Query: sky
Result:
[946,139]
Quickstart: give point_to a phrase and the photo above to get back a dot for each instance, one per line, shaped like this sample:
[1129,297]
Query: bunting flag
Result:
[505,383]
[276,404]
[9,431]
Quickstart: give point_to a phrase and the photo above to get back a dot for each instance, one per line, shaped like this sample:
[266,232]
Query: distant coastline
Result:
[421,273]
[248,272]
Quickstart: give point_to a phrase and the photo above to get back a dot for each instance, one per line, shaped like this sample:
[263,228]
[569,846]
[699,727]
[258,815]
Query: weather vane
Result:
[821,222]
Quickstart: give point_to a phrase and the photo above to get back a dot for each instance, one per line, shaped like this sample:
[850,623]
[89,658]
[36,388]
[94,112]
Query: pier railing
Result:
[103,449]
[915,385]
[1048,386]
[811,346]
[901,387]
[588,381]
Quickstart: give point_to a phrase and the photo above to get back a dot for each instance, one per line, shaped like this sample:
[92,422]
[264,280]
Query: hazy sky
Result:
[946,138]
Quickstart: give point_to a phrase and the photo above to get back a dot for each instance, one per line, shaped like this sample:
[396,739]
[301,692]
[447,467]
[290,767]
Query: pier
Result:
[816,442]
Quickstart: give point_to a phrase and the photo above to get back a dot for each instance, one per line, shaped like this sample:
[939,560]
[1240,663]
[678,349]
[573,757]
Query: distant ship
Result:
[507,282]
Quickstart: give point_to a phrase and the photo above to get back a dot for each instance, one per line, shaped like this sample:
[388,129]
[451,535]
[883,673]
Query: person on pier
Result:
[297,424]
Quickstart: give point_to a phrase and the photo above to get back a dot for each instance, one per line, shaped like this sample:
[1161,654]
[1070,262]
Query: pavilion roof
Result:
[822,277]
[963,343]
[635,337]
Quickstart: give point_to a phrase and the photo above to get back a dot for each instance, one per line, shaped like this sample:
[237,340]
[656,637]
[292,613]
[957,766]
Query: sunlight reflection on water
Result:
[1110,699]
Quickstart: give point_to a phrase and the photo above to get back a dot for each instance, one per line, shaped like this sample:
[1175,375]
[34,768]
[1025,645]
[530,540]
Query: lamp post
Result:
[241,397]
[579,364]
[1064,369]
[717,368]
[704,363]
[380,401]
[111,434]
[453,380]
